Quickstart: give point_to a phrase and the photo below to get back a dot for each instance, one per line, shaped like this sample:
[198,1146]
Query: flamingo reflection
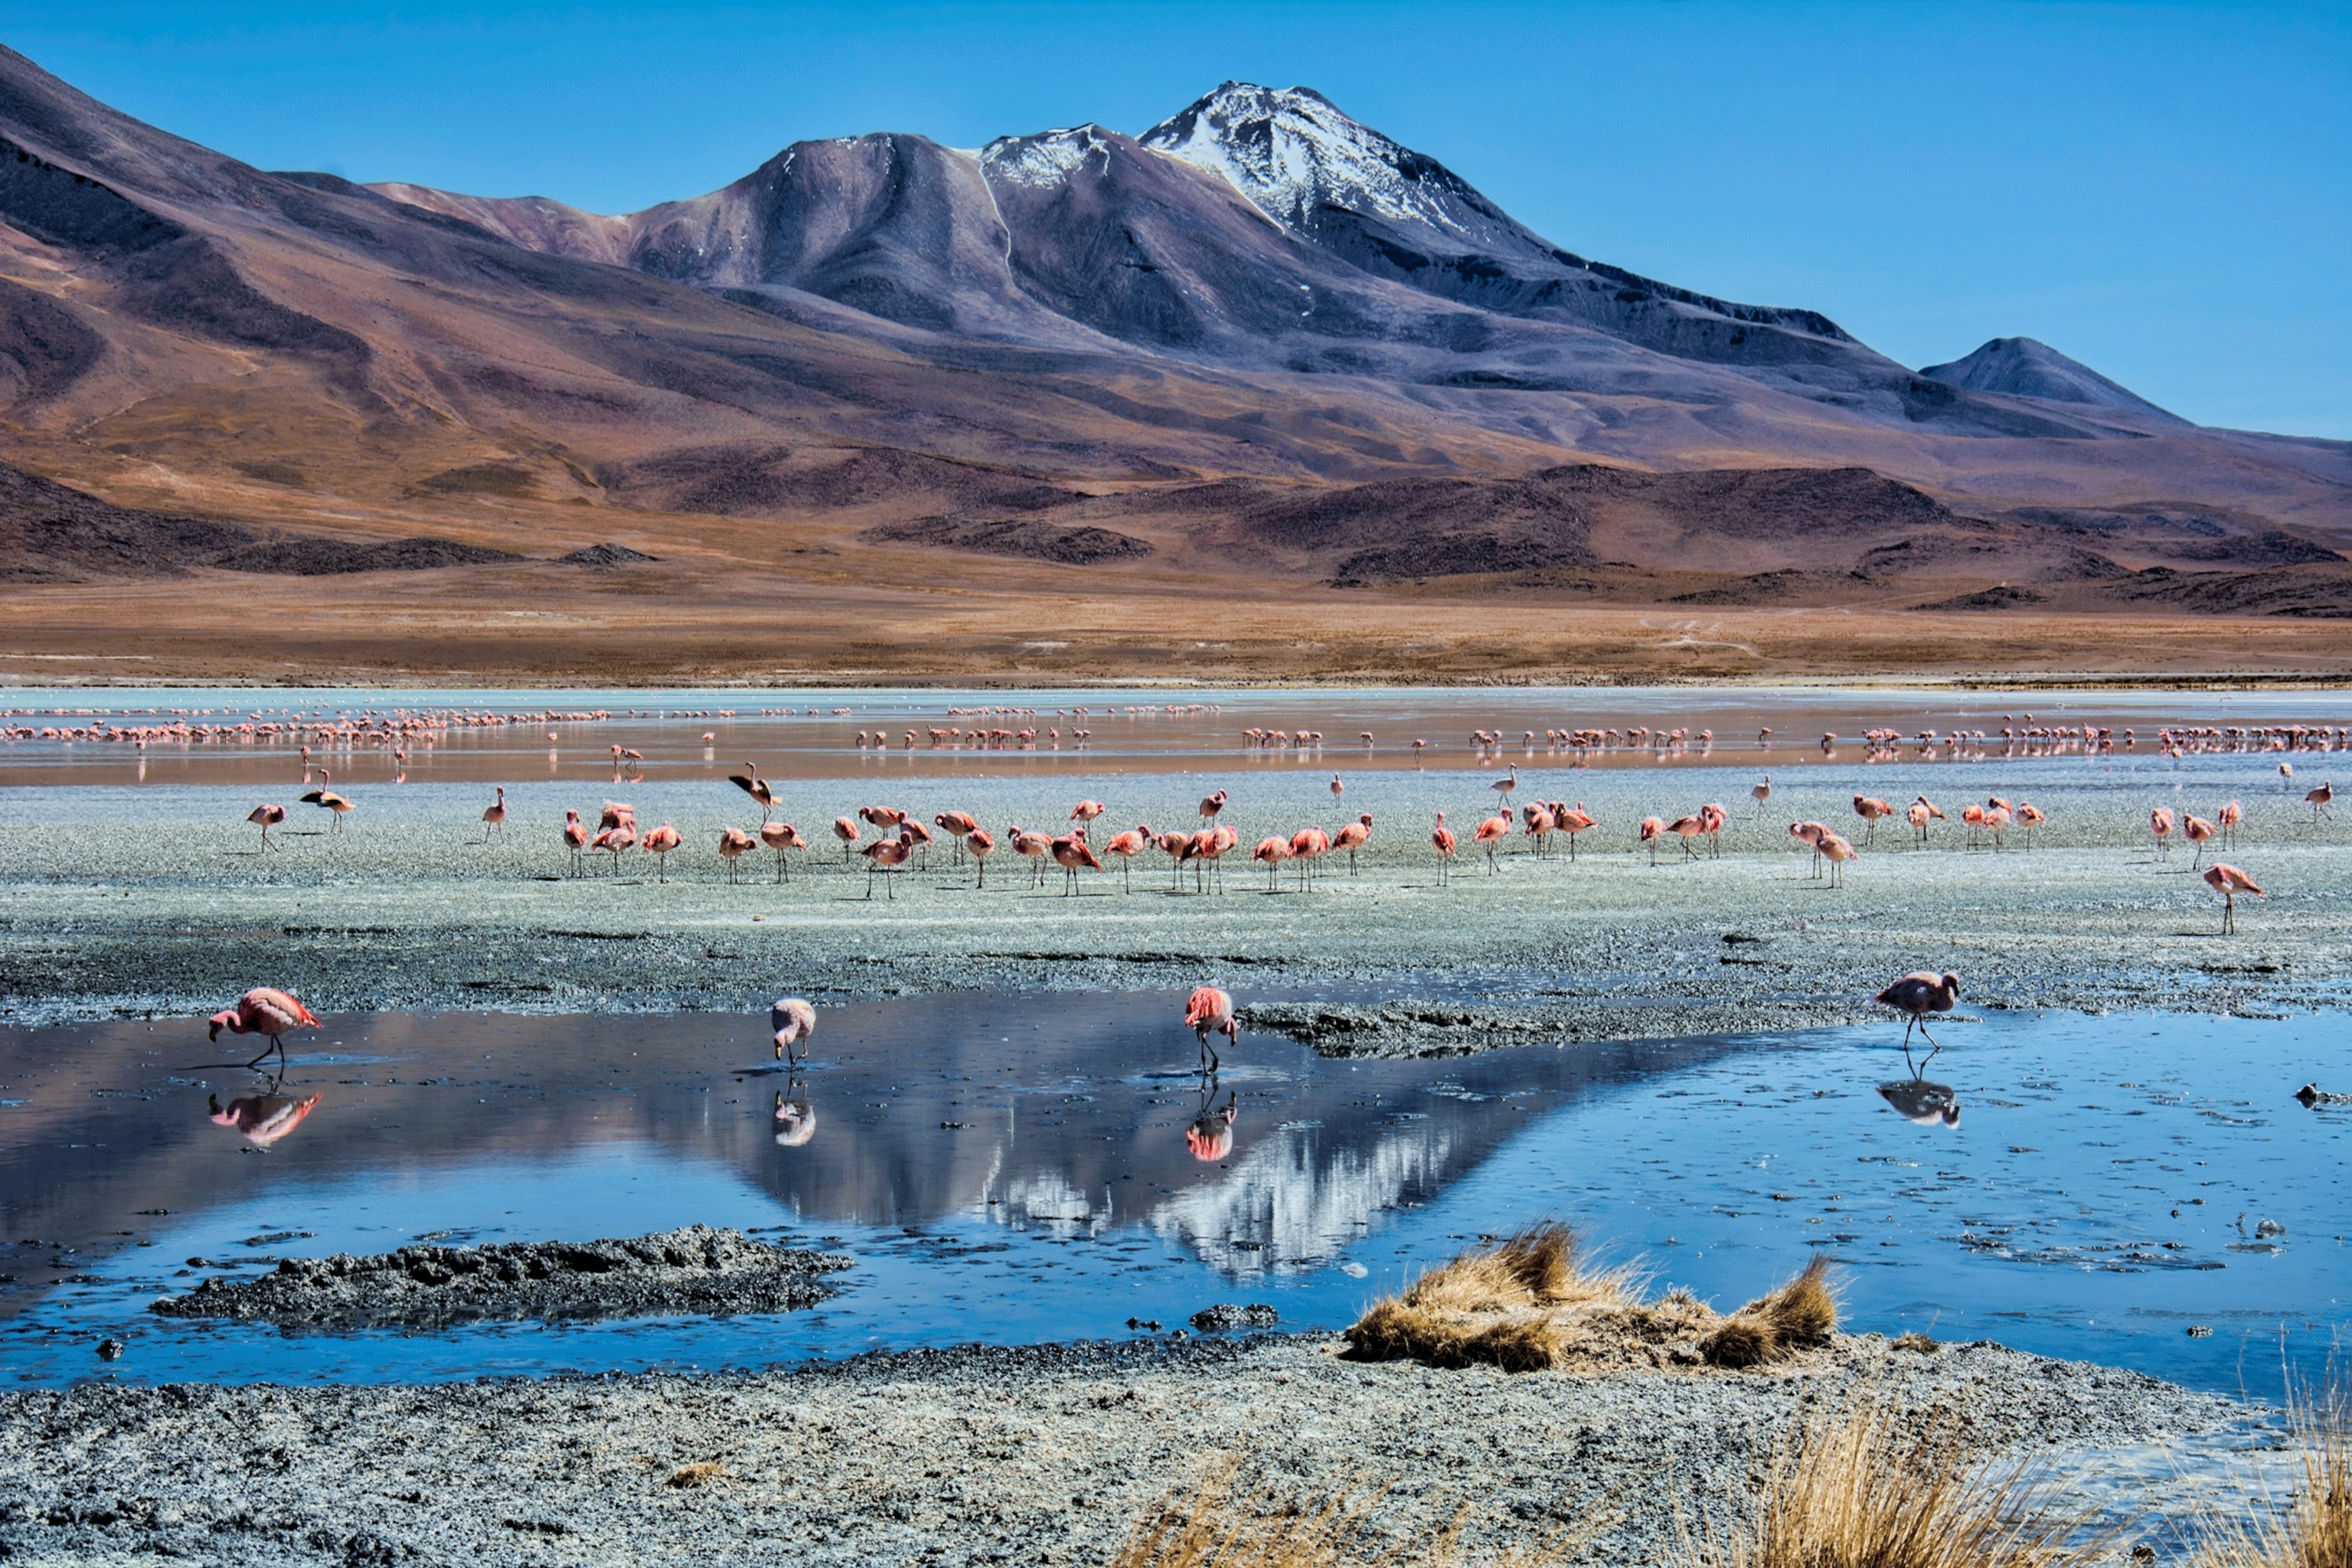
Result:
[1926,1104]
[1211,1136]
[264,1118]
[795,1116]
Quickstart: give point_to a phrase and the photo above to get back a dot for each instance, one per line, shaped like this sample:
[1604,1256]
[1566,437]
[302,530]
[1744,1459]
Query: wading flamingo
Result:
[846,829]
[1686,828]
[2228,817]
[1308,846]
[1870,809]
[1034,847]
[2159,822]
[1837,850]
[1505,786]
[265,817]
[1127,846]
[1211,805]
[733,844]
[1996,822]
[494,817]
[1271,852]
[329,800]
[2198,831]
[1071,854]
[576,837]
[1762,792]
[884,857]
[780,837]
[2317,800]
[752,785]
[659,844]
[1652,830]
[1086,811]
[792,1021]
[1572,821]
[1809,835]
[1916,996]
[1440,838]
[1540,825]
[1337,789]
[2029,817]
[263,1010]
[1209,1011]
[1491,832]
[2229,881]
[979,843]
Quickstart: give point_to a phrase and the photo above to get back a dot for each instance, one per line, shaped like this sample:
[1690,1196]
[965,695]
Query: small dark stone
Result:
[1225,1315]
[109,1350]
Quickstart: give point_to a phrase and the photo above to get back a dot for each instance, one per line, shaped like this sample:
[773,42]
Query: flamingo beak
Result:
[213,1034]
[782,1040]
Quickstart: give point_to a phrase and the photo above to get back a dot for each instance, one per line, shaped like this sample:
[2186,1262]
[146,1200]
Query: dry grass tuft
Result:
[1499,1306]
[2315,1530]
[1218,1528]
[1800,1315]
[1858,1489]
[695,1475]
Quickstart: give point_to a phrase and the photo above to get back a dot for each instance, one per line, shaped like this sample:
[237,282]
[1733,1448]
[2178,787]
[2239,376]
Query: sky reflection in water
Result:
[1046,1167]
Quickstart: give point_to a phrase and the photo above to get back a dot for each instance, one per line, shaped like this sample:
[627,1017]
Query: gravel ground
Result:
[1039,1454]
[155,901]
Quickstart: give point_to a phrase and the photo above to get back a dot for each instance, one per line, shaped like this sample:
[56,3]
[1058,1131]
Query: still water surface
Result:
[1028,1168]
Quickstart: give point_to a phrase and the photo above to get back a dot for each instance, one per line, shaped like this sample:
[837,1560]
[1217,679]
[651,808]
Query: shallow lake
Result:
[1035,1167]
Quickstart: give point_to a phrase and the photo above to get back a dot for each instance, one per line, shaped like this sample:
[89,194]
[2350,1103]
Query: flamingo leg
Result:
[275,1045]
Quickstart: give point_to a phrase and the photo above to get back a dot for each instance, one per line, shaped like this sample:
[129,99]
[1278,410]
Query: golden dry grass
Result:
[1800,1315]
[1217,1527]
[1859,1486]
[2314,1529]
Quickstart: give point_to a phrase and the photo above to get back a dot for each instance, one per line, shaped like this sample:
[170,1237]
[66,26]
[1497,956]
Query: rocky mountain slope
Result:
[1257,337]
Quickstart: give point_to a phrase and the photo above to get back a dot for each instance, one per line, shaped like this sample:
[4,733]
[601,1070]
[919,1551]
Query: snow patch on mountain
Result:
[1044,160]
[1292,152]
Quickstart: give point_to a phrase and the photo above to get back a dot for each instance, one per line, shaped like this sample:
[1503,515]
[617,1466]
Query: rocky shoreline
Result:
[1038,1454]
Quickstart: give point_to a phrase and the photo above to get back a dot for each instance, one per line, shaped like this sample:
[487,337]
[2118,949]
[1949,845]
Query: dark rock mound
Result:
[1772,588]
[2007,596]
[1027,538]
[2316,590]
[693,1269]
[606,554]
[1225,1315]
[52,533]
[297,555]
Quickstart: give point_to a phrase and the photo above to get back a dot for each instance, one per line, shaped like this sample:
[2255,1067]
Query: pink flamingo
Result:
[576,837]
[1686,828]
[957,825]
[2317,800]
[1837,850]
[882,815]
[1651,832]
[1213,805]
[1917,815]
[734,844]
[1996,822]
[758,788]
[1540,825]
[1440,838]
[1127,846]
[329,800]
[2029,817]
[1086,811]
[1209,1011]
[1071,854]
[1972,818]
[1352,837]
[265,817]
[264,1010]
[1810,833]
[659,844]
[2229,881]
[494,817]
[1712,818]
[2228,816]
[846,829]
[2197,830]
[1491,832]
[1918,995]
[2159,822]
[780,837]
[884,857]
[1309,844]
[1573,821]
[792,1020]
[1870,808]
[1036,848]
[1271,852]
[979,843]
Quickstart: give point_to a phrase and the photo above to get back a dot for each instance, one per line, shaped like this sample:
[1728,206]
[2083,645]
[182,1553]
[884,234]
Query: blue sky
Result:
[2162,191]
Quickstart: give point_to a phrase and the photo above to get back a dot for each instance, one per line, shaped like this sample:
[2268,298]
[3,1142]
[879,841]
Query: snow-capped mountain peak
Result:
[1047,159]
[1292,153]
